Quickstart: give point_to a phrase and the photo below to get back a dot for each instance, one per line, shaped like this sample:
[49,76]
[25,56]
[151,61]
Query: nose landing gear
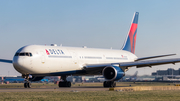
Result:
[27,83]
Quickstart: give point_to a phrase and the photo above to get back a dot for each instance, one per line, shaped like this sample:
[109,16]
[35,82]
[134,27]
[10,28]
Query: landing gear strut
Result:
[27,83]
[109,84]
[64,83]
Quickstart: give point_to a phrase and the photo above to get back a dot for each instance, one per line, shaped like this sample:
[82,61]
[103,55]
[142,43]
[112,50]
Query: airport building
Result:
[169,71]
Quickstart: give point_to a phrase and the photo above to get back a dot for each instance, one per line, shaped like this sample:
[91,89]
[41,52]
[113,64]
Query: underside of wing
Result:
[95,68]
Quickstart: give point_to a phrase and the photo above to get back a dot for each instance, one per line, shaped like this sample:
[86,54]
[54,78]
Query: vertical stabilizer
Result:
[130,42]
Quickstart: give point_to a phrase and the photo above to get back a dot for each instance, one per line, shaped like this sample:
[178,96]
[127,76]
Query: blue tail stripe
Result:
[136,18]
[127,47]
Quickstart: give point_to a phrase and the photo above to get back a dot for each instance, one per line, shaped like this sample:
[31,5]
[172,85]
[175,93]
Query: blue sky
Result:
[93,23]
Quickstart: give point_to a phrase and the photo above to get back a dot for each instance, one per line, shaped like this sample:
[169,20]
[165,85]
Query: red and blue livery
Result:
[130,42]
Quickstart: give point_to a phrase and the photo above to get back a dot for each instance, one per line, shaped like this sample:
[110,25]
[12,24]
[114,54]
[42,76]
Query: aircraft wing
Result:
[6,61]
[151,57]
[150,63]
[97,68]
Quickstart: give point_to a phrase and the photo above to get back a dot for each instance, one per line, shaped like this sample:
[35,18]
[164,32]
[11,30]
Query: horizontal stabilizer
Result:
[6,61]
[144,58]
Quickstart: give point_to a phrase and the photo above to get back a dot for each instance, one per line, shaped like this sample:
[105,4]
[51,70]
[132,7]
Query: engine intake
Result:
[112,73]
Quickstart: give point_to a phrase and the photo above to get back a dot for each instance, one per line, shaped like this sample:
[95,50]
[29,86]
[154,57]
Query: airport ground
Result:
[85,91]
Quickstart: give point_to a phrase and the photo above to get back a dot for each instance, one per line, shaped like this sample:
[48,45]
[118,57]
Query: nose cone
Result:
[18,64]
[18,61]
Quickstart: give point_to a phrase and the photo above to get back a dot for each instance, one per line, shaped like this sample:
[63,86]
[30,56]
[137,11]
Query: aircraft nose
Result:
[18,63]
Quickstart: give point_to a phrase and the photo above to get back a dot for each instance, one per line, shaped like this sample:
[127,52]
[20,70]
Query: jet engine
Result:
[112,73]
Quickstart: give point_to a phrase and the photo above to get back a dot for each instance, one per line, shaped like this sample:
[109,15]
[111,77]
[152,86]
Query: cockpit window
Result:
[23,54]
[30,54]
[27,54]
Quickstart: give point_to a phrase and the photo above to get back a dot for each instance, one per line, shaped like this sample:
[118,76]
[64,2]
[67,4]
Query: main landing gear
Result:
[109,84]
[64,83]
[27,83]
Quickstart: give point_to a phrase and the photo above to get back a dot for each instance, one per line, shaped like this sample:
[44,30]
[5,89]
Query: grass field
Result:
[89,95]
[92,96]
[118,84]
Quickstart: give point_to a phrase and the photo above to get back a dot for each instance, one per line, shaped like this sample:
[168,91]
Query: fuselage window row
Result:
[116,58]
[89,57]
[60,56]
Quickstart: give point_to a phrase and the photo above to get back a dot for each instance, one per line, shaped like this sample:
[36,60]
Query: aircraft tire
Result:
[29,85]
[114,84]
[109,84]
[68,84]
[25,85]
[60,84]
[105,84]
[64,84]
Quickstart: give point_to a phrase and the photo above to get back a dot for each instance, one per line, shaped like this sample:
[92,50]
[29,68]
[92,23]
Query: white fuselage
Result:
[57,59]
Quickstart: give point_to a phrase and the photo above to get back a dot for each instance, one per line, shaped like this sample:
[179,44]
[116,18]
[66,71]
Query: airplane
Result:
[133,77]
[44,80]
[37,61]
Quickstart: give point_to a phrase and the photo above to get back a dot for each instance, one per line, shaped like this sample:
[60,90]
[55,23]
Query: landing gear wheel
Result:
[105,84]
[27,85]
[68,84]
[64,84]
[114,84]
[60,84]
[109,84]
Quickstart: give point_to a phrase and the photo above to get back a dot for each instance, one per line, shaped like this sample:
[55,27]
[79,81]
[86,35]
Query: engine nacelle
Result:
[112,73]
[36,78]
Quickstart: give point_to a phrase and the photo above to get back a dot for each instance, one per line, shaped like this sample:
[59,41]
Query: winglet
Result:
[130,42]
